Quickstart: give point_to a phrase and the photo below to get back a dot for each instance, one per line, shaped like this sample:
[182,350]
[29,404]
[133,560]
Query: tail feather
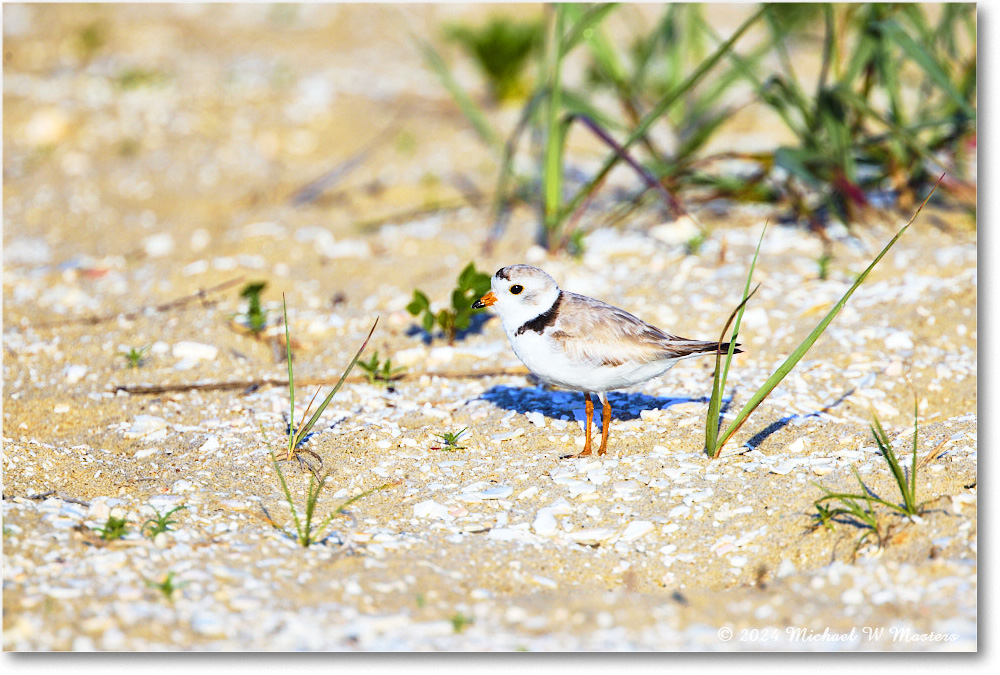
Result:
[693,348]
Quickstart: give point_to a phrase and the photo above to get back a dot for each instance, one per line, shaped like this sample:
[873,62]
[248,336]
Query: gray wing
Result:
[592,331]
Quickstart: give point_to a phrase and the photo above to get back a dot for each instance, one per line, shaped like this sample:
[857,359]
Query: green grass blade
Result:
[660,108]
[552,175]
[472,111]
[870,512]
[806,344]
[312,497]
[291,381]
[913,463]
[719,381]
[885,447]
[587,25]
[583,21]
[340,509]
[301,433]
[926,61]
[739,317]
[288,494]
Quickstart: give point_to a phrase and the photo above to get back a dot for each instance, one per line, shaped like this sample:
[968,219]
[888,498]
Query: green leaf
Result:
[460,301]
[467,276]
[482,285]
[428,321]
[419,303]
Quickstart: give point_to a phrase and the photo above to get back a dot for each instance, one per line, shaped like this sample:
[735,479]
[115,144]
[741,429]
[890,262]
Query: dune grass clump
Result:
[501,49]
[859,137]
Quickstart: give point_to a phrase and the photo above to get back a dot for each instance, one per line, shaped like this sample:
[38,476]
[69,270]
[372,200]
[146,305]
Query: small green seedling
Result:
[460,622]
[378,372]
[161,523]
[256,315]
[471,285]
[823,266]
[137,78]
[114,528]
[136,357]
[167,587]
[693,245]
[451,440]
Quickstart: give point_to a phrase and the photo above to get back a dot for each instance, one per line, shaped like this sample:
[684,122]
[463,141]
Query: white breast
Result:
[544,358]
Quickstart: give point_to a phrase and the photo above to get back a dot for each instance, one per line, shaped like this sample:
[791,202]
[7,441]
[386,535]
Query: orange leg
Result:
[605,424]
[589,408]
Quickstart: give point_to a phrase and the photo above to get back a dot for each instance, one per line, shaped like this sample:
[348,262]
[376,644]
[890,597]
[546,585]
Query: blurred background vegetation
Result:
[823,115]
[888,106]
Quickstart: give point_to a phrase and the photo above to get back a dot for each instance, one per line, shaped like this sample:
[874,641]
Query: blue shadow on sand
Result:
[555,404]
[476,323]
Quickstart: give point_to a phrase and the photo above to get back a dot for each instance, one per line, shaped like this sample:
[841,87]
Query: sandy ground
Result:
[120,199]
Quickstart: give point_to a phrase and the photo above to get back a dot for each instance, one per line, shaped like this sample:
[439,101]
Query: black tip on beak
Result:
[478,304]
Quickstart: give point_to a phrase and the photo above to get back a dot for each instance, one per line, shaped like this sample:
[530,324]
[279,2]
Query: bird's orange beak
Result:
[485,301]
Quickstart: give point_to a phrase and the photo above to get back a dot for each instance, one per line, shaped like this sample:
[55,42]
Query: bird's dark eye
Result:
[516,289]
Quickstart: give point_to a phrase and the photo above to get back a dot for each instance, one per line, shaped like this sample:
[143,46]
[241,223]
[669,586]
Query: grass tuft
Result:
[863,508]
[298,436]
[713,441]
[310,528]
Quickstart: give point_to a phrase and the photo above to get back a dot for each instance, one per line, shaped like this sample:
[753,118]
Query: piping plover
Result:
[580,343]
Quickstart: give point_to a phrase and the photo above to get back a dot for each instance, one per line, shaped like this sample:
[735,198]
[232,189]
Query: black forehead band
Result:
[502,273]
